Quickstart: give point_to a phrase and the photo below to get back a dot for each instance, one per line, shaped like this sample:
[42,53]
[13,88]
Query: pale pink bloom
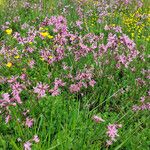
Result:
[112,131]
[40,89]
[6,97]
[97,119]
[29,49]
[59,82]
[7,119]
[135,108]
[31,63]
[107,27]
[25,112]
[13,79]
[55,91]
[74,88]
[92,83]
[79,23]
[109,142]
[17,98]
[36,139]
[127,1]
[27,145]
[29,122]
[23,76]
[142,99]
[148,92]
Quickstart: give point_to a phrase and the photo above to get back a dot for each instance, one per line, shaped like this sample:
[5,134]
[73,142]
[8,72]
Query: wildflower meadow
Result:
[74,74]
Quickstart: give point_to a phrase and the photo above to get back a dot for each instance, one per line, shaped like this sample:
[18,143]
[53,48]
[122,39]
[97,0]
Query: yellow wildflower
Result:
[50,57]
[44,34]
[42,58]
[8,31]
[9,64]
[50,36]
[41,28]
[30,43]
[17,56]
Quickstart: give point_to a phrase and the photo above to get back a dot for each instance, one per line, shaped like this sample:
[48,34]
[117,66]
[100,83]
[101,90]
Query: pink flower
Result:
[40,89]
[23,76]
[142,98]
[36,139]
[31,63]
[55,91]
[74,88]
[148,92]
[79,23]
[109,142]
[27,145]
[7,119]
[97,119]
[6,97]
[29,122]
[92,83]
[59,82]
[112,131]
[135,108]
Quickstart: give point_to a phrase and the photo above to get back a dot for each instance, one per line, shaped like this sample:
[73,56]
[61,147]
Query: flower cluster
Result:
[28,144]
[112,132]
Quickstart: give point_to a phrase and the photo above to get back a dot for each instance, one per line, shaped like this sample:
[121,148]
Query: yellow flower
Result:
[50,36]
[50,57]
[42,58]
[17,56]
[44,34]
[41,28]
[9,64]
[8,31]
[132,34]
[30,43]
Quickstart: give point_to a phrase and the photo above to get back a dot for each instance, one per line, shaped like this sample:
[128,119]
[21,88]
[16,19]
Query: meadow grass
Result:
[65,121]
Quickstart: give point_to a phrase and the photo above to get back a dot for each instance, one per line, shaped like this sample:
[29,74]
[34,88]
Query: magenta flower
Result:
[23,76]
[112,132]
[142,98]
[40,89]
[6,97]
[36,139]
[74,88]
[31,63]
[92,83]
[27,145]
[79,23]
[29,122]
[7,119]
